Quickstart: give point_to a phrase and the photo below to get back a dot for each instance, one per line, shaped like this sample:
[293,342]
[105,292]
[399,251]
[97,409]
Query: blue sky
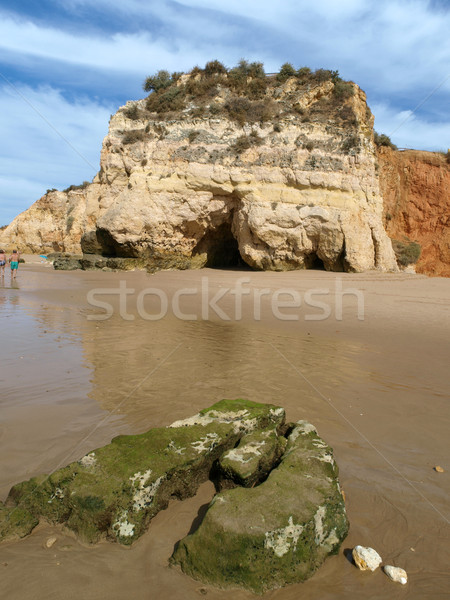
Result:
[66,66]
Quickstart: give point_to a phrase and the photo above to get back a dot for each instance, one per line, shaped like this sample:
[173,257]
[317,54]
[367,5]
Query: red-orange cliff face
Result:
[415,187]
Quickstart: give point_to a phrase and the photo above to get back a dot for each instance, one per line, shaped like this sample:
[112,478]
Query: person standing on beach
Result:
[2,263]
[14,263]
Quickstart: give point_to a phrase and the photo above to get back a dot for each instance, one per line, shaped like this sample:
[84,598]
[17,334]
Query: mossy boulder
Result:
[116,490]
[252,460]
[277,533]
[277,528]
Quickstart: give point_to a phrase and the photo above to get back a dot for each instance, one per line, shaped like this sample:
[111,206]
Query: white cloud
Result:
[400,44]
[33,156]
[397,50]
[138,52]
[409,130]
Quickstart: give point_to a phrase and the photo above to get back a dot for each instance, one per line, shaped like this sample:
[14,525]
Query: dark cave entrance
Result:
[314,262]
[221,249]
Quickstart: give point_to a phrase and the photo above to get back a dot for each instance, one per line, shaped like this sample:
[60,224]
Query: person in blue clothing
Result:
[2,263]
[14,263]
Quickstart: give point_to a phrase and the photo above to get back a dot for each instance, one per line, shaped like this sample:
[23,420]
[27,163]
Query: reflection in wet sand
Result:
[213,359]
[45,383]
[383,407]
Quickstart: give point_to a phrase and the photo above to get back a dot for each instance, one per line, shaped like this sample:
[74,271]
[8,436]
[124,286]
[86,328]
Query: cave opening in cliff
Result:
[221,249]
[314,262]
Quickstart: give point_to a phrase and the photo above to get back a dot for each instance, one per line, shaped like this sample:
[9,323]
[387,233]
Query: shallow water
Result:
[69,385]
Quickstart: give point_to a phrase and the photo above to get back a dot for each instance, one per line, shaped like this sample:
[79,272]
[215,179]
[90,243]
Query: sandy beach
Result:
[362,356]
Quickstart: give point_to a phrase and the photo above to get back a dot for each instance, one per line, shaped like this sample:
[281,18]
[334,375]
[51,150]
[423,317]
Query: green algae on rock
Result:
[277,533]
[116,490]
[277,528]
[252,460]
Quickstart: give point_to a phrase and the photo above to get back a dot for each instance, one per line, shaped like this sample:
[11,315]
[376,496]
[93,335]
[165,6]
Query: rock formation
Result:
[416,191]
[276,532]
[116,490]
[218,167]
[54,223]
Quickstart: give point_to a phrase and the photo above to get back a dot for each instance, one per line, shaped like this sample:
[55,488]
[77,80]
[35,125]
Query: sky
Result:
[67,65]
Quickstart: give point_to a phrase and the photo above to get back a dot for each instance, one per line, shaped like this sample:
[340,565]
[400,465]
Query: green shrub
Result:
[309,146]
[261,111]
[132,112]
[343,90]
[406,252]
[144,161]
[383,140]
[73,188]
[447,156]
[157,82]
[237,108]
[256,69]
[237,77]
[244,142]
[242,110]
[196,71]
[286,71]
[321,75]
[202,88]
[133,136]
[164,101]
[256,89]
[51,190]
[215,67]
[335,77]
[304,73]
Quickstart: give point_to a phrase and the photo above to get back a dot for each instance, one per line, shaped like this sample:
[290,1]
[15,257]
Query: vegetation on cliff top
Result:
[245,94]
[381,139]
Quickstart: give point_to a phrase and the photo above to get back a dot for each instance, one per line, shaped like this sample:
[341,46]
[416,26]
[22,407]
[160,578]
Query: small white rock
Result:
[50,541]
[366,559]
[396,574]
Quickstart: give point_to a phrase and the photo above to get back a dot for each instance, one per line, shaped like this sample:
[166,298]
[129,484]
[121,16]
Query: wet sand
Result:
[377,389]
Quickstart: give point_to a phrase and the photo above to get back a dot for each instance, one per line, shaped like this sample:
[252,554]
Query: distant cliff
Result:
[416,191]
[218,166]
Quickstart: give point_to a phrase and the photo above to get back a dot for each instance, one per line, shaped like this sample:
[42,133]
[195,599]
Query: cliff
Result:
[217,167]
[54,223]
[416,190]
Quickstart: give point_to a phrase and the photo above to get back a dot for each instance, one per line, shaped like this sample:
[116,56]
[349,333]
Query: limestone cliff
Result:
[278,172]
[54,223]
[416,191]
